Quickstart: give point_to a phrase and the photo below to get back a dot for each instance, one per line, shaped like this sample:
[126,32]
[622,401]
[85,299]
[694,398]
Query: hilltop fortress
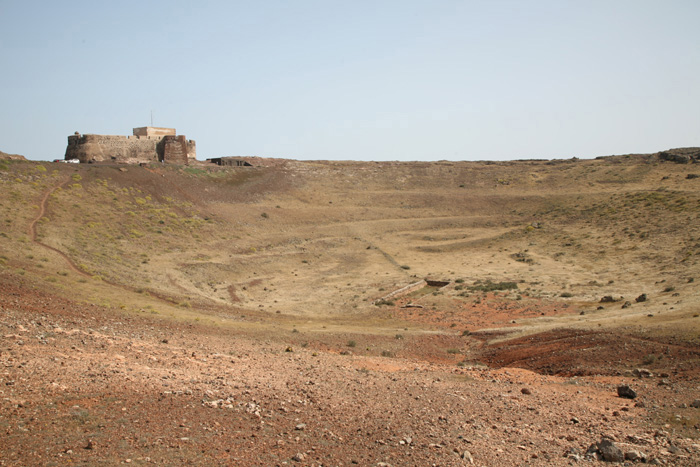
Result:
[148,144]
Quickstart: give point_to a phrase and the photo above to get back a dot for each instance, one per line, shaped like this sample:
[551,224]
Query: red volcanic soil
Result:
[82,384]
[487,312]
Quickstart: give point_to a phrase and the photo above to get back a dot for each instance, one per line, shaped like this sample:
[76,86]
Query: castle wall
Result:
[130,149]
[191,150]
[175,150]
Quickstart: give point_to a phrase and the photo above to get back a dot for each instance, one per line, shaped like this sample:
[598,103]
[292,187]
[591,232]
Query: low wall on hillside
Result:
[403,290]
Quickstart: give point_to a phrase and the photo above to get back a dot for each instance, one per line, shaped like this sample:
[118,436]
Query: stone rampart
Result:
[131,149]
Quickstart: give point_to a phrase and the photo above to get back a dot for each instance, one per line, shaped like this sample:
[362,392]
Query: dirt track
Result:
[33,231]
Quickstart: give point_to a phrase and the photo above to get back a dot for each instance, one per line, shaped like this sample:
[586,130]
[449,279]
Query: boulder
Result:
[609,451]
[626,392]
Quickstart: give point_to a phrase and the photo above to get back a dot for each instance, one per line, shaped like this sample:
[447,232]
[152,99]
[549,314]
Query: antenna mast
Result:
[151,118]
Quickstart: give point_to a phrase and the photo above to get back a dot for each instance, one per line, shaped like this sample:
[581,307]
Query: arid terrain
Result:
[202,315]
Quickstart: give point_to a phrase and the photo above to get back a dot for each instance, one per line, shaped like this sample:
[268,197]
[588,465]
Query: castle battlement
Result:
[147,144]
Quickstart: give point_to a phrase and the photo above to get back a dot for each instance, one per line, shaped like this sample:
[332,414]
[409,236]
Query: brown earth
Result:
[206,316]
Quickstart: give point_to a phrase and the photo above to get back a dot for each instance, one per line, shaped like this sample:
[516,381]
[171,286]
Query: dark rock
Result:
[626,392]
[641,298]
[609,451]
[626,304]
[607,299]
[695,404]
[677,158]
[692,176]
[526,391]
[680,155]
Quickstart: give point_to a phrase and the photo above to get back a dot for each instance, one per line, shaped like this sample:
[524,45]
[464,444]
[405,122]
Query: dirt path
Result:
[33,234]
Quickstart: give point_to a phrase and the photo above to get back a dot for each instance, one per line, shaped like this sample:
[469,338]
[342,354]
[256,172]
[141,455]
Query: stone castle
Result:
[148,144]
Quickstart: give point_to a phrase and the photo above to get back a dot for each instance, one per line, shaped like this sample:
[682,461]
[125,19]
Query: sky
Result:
[355,80]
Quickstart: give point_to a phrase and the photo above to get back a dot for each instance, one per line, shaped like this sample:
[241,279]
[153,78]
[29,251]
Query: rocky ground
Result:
[87,385]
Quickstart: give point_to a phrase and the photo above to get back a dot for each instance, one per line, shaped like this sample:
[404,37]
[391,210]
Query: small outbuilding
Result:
[230,162]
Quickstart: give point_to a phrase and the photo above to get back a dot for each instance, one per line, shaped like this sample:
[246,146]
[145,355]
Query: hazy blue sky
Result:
[364,80]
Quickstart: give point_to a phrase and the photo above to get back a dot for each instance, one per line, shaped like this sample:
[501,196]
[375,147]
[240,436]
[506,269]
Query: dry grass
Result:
[319,240]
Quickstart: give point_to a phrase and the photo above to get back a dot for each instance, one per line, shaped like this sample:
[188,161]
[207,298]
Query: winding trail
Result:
[33,234]
[73,267]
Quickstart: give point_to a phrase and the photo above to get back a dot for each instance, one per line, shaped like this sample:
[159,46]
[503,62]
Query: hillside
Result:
[13,157]
[561,276]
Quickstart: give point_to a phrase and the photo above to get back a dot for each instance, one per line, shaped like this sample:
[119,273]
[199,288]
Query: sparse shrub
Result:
[264,215]
[649,359]
[405,267]
[385,302]
[466,332]
[386,353]
[669,289]
[352,343]
[398,336]
[453,351]
[566,295]
[490,286]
